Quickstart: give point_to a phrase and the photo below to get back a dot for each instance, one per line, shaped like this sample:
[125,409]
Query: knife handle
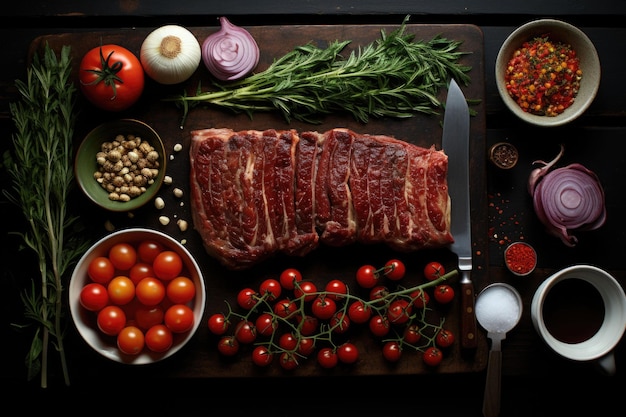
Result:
[468,316]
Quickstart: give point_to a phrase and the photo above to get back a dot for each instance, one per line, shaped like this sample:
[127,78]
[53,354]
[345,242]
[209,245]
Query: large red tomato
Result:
[111,77]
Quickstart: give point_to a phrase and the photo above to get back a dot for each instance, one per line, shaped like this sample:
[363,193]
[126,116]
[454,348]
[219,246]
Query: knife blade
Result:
[455,143]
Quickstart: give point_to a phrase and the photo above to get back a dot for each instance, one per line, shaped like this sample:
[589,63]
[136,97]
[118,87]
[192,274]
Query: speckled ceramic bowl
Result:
[560,31]
[85,164]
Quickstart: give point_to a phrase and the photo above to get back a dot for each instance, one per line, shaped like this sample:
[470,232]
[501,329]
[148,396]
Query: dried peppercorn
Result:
[543,76]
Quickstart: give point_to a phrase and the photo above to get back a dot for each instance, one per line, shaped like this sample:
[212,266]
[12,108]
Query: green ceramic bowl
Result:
[85,164]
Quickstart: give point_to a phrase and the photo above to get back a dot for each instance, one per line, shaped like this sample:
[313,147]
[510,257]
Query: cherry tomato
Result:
[306,346]
[228,346]
[339,322]
[218,325]
[150,291]
[433,270]
[288,361]
[419,298]
[399,311]
[159,338]
[285,308]
[444,338]
[140,271]
[287,341]
[123,256]
[336,288]
[395,269]
[245,332]
[432,356]
[265,324]
[412,334]
[392,351]
[247,298]
[379,325]
[327,358]
[378,292]
[111,320]
[358,312]
[179,318]
[308,325]
[366,276]
[148,316]
[289,277]
[131,340]
[121,290]
[167,265]
[305,289]
[347,353]
[111,77]
[94,296]
[444,293]
[271,289]
[261,356]
[148,250]
[181,290]
[323,307]
[101,270]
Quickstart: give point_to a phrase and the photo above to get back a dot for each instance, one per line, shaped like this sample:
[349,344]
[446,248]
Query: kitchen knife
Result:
[455,144]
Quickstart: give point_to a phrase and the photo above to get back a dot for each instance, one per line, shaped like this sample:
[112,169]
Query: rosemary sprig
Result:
[394,76]
[40,167]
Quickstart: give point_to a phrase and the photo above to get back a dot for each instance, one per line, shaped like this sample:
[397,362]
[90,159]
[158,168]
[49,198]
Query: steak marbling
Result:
[256,193]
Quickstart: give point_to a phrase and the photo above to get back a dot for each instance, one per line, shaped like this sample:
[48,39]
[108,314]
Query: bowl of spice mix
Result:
[547,72]
[520,258]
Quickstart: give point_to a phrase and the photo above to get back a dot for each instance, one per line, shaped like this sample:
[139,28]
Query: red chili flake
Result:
[543,77]
[520,258]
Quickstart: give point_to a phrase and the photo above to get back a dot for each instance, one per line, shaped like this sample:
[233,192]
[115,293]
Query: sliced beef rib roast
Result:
[256,193]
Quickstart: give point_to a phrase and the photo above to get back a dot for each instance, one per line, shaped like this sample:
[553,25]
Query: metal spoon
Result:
[498,309]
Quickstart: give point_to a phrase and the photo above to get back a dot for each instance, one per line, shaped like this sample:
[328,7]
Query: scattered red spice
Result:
[543,76]
[520,258]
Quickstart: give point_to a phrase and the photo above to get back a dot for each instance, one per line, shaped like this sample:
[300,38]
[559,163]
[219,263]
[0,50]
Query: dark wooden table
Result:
[535,381]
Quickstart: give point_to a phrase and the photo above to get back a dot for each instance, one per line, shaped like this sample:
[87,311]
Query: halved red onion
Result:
[230,53]
[567,199]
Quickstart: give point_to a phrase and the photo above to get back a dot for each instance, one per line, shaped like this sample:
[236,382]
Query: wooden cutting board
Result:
[200,357]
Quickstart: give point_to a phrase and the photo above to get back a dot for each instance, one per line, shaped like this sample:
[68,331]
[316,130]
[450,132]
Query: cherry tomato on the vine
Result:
[347,353]
[305,289]
[323,307]
[228,346]
[261,356]
[289,277]
[433,270]
[366,276]
[306,346]
[336,288]
[340,322]
[308,325]
[379,325]
[287,341]
[432,356]
[218,325]
[378,292]
[395,269]
[288,361]
[247,298]
[419,298]
[265,324]
[392,351]
[444,338]
[285,308]
[111,77]
[359,312]
[327,358]
[412,334]
[399,311]
[271,289]
[444,293]
[245,332]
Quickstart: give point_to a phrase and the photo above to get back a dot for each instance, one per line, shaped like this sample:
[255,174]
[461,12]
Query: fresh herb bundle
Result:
[395,76]
[40,167]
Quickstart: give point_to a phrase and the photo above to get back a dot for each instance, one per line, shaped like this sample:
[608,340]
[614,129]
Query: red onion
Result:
[567,199]
[231,53]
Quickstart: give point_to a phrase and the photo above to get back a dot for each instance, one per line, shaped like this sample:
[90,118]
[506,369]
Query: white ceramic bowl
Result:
[86,322]
[560,31]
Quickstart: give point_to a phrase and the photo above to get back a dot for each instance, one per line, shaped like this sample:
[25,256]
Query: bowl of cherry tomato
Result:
[547,72]
[137,296]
